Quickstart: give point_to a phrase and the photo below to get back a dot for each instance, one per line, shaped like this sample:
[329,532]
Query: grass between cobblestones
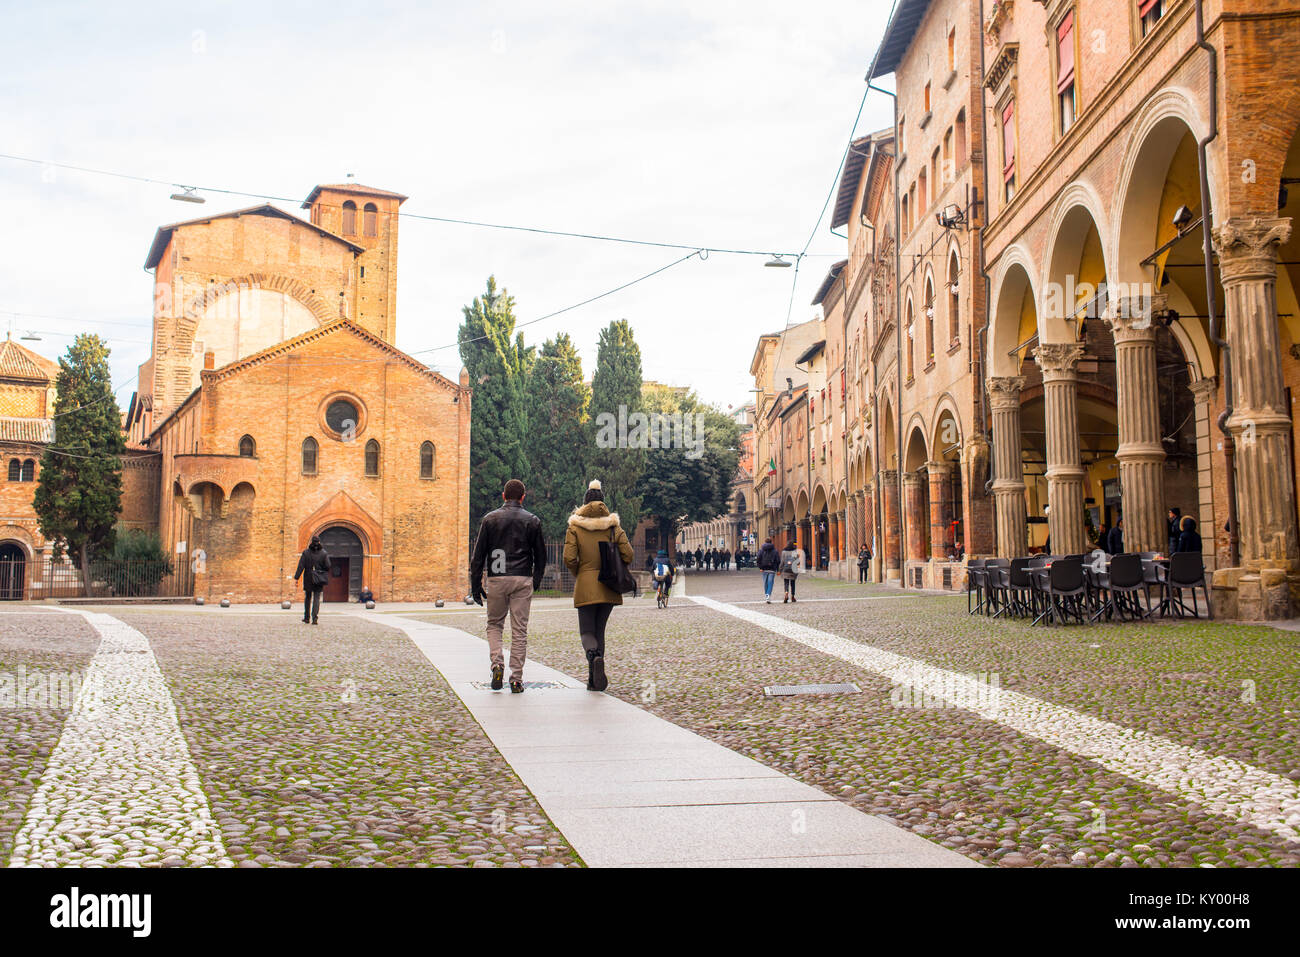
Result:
[39,645]
[964,782]
[339,745]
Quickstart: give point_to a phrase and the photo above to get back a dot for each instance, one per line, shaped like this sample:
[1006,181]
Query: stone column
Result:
[1260,421]
[1059,362]
[853,524]
[1008,468]
[890,548]
[940,508]
[842,532]
[917,515]
[1204,392]
[1141,454]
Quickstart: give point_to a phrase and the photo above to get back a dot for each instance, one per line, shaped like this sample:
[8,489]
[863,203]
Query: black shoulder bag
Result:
[613,570]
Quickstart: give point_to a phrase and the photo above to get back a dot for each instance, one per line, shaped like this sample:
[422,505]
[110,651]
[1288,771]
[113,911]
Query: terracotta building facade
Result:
[276,408]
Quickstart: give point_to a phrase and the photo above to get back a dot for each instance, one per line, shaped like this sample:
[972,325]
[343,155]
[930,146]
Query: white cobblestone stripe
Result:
[1219,784]
[120,788]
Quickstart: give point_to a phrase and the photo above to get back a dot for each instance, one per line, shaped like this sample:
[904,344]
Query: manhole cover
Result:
[781,691]
[487,685]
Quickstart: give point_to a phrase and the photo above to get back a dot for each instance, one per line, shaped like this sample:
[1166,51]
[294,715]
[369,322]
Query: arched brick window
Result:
[370,220]
[309,450]
[372,458]
[29,470]
[428,461]
[247,447]
[15,470]
[954,302]
[349,218]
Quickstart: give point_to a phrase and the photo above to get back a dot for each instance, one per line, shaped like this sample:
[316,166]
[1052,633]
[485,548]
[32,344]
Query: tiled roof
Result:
[352,188]
[164,234]
[14,429]
[19,362]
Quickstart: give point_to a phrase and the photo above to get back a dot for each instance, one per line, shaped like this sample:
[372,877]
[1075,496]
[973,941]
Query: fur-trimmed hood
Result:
[594,517]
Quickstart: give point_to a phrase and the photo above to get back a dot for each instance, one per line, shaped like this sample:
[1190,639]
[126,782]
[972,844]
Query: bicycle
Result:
[662,589]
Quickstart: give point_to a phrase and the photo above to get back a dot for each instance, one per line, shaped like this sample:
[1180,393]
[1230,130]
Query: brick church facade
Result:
[274,407]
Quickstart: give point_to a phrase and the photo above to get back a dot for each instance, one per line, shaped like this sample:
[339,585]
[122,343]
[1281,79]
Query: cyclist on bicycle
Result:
[663,572]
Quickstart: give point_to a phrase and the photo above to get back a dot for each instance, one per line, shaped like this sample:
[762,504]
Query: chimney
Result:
[209,360]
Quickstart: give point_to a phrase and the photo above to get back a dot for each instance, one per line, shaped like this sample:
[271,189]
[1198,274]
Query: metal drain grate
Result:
[783,691]
[487,685]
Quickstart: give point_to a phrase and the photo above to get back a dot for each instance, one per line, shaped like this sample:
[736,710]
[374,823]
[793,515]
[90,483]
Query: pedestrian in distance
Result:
[769,563]
[1175,524]
[864,564]
[314,570]
[792,563]
[1189,539]
[699,557]
[1115,541]
[507,565]
[590,525]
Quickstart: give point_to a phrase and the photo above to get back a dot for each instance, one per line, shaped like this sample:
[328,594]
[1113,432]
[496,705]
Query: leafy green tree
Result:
[498,364]
[80,490]
[555,440]
[688,477]
[615,397]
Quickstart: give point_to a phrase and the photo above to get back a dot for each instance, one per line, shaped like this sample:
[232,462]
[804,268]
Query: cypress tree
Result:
[80,491]
[554,443]
[497,363]
[615,396]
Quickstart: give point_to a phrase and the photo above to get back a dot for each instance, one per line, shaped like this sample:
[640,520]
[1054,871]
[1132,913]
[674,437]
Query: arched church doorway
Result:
[346,559]
[13,572]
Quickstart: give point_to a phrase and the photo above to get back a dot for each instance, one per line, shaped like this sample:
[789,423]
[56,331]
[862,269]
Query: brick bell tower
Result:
[368,217]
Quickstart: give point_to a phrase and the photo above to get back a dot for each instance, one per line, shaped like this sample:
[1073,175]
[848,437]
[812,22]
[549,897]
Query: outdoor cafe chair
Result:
[1123,580]
[1066,591]
[1021,595]
[975,585]
[996,573]
[1186,573]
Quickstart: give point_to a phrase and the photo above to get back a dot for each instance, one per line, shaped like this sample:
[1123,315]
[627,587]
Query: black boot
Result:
[591,657]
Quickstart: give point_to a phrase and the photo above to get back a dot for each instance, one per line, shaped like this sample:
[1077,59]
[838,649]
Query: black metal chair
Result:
[975,585]
[1186,573]
[1123,582]
[1066,591]
[996,571]
[1020,592]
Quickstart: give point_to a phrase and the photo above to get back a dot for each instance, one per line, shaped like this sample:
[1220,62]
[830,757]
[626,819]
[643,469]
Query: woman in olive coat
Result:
[590,525]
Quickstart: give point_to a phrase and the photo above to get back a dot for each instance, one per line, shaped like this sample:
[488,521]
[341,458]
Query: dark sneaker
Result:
[598,680]
[516,686]
[498,671]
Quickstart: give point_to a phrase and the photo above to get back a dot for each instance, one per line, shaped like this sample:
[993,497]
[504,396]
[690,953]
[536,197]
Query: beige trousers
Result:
[513,594]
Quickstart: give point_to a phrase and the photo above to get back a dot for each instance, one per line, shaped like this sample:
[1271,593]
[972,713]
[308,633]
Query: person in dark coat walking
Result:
[699,557]
[769,563]
[1175,524]
[1189,539]
[314,570]
[1115,541]
[864,563]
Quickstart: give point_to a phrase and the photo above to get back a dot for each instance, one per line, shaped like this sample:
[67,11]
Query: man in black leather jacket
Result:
[511,551]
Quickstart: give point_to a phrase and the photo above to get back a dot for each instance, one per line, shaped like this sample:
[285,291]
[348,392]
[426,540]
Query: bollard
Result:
[438,603]
[225,603]
[198,601]
[370,604]
[286,605]
[469,599]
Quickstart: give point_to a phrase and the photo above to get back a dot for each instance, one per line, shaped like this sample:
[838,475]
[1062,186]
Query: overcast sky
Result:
[710,123]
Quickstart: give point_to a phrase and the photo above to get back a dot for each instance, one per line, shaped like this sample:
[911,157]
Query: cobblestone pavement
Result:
[336,745]
[49,651]
[972,784]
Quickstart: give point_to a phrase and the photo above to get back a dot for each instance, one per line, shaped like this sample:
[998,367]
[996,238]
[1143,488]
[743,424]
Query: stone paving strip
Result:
[1219,784]
[43,658]
[340,746]
[120,788]
[628,788]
